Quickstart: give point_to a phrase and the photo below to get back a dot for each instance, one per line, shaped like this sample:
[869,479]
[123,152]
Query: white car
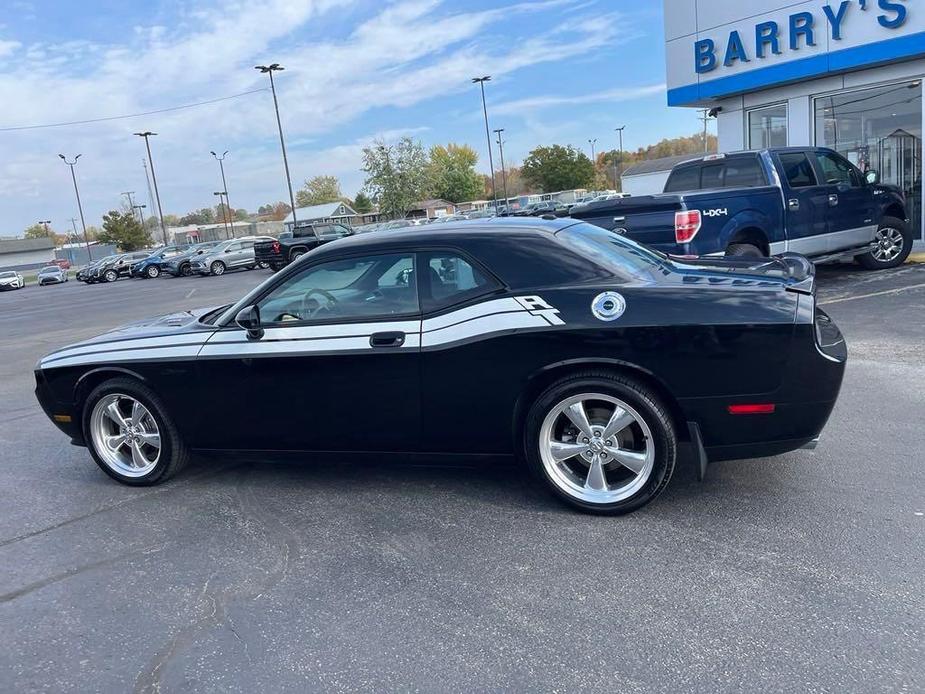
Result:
[11,280]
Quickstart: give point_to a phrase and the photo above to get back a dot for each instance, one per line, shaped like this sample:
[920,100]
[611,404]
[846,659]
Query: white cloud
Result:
[613,96]
[8,48]
[409,52]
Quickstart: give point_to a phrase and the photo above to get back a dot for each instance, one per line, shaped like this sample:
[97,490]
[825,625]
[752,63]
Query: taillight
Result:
[757,408]
[686,225]
[276,246]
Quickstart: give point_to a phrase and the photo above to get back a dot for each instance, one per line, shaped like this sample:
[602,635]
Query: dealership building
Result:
[843,74]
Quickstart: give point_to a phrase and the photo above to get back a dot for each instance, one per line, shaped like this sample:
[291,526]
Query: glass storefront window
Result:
[767,127]
[878,128]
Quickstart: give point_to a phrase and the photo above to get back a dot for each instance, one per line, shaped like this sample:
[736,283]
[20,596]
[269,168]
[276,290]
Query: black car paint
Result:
[701,336]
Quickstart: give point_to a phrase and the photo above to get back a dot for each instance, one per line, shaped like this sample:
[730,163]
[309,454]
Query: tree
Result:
[558,168]
[203,216]
[452,174]
[318,191]
[37,231]
[515,181]
[241,215]
[362,203]
[396,175]
[123,230]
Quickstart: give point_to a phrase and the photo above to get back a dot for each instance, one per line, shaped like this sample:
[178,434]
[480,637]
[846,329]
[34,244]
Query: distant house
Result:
[328,212]
[648,177]
[24,254]
[431,209]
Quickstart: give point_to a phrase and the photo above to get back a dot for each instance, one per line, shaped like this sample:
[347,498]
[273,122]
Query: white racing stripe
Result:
[482,326]
[313,332]
[184,352]
[126,344]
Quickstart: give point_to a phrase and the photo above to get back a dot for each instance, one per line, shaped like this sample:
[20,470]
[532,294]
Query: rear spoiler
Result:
[801,273]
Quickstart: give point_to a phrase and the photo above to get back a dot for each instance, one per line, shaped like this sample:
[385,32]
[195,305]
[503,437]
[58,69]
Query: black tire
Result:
[744,250]
[174,452]
[636,395]
[295,255]
[263,265]
[275,268]
[217,268]
[152,271]
[186,270]
[888,227]
[111,276]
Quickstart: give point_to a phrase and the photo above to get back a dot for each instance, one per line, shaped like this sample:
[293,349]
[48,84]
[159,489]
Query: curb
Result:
[918,257]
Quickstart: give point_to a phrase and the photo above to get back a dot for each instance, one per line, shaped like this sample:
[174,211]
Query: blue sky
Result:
[564,71]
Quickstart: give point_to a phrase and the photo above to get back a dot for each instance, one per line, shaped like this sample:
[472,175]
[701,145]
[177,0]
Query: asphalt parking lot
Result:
[796,573]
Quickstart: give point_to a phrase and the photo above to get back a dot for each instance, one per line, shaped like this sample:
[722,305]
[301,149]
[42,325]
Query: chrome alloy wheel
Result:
[890,243]
[125,435]
[596,448]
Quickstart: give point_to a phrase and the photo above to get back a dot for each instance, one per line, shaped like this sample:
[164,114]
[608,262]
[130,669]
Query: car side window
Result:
[682,179]
[368,287]
[246,245]
[836,170]
[452,279]
[797,169]
[233,247]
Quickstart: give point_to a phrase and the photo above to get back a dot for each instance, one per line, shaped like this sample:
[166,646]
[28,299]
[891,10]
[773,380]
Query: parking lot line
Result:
[872,294]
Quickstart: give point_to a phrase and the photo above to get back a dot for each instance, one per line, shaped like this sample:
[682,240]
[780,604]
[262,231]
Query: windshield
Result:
[613,251]
[7,274]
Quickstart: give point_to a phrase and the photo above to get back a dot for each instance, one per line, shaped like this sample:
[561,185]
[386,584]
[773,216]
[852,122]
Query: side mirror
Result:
[872,176]
[249,319]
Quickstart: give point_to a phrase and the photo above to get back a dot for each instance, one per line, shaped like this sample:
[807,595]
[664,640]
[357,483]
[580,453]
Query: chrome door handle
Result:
[793,204]
[833,200]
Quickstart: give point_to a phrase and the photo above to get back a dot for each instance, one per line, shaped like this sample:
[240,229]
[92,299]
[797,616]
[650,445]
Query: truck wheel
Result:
[130,435]
[894,243]
[744,250]
[295,256]
[601,442]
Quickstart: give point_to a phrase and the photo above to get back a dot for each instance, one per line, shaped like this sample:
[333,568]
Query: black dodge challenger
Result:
[585,354]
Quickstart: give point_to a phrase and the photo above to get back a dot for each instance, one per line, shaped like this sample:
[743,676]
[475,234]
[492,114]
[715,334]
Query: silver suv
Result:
[233,254]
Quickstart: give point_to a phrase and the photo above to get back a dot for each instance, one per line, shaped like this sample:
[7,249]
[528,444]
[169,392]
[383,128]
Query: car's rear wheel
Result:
[744,250]
[130,435]
[153,271]
[217,268]
[601,442]
[111,276]
[894,243]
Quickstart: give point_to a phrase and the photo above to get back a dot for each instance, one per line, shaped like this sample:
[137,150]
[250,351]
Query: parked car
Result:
[62,263]
[152,264]
[233,254]
[278,253]
[117,266]
[10,279]
[51,274]
[85,274]
[765,202]
[555,341]
[537,209]
[179,265]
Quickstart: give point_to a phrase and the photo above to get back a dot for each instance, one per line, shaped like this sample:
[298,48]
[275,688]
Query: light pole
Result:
[141,215]
[221,165]
[157,196]
[491,165]
[131,203]
[45,223]
[269,70]
[79,206]
[222,204]
[498,132]
[592,142]
[619,130]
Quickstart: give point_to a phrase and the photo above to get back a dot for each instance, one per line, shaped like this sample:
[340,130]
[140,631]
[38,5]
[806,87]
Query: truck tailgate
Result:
[648,219]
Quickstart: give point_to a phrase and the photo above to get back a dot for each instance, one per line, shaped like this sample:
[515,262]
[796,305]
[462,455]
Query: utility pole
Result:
[499,132]
[705,118]
[80,208]
[223,205]
[620,155]
[221,165]
[491,165]
[269,70]
[157,196]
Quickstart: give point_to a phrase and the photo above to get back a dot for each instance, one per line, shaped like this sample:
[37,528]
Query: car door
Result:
[806,205]
[234,254]
[850,202]
[336,369]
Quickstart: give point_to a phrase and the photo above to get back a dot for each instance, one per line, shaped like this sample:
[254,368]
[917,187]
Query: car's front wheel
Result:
[894,243]
[601,442]
[185,270]
[217,268]
[130,435]
[153,271]
[111,276]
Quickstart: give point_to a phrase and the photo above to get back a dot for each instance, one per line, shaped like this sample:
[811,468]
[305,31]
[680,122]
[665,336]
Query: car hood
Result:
[183,325]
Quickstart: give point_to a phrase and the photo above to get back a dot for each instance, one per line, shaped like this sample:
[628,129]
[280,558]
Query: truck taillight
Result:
[276,246]
[686,225]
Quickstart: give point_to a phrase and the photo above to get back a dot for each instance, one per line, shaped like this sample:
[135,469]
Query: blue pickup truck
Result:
[765,202]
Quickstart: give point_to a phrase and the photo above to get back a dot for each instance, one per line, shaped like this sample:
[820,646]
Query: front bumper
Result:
[62,415]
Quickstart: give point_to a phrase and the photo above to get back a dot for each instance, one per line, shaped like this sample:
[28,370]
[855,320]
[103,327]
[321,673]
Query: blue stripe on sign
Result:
[868,55]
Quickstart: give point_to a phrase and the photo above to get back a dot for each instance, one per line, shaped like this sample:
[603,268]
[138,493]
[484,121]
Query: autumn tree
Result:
[318,191]
[38,231]
[396,175]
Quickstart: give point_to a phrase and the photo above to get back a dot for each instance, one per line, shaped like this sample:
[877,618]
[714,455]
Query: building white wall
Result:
[645,184]
[24,259]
